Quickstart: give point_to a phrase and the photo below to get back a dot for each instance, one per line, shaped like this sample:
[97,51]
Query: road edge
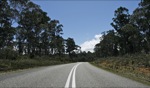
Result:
[123,75]
[30,68]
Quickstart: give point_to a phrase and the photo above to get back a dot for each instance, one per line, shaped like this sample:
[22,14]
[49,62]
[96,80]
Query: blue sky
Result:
[84,20]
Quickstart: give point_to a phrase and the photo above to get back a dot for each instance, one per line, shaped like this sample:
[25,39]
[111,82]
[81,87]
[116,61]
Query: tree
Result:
[133,38]
[32,21]
[60,46]
[141,18]
[70,46]
[122,18]
[55,35]
[108,45]
[6,29]
[35,33]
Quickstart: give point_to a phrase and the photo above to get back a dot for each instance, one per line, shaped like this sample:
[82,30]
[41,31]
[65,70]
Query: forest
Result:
[131,33]
[126,48]
[29,38]
[35,33]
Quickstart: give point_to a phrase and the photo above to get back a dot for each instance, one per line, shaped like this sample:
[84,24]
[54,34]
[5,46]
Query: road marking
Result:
[73,79]
[73,70]
[69,77]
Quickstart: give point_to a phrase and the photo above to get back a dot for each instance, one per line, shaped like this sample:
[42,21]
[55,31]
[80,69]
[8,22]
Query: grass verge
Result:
[132,67]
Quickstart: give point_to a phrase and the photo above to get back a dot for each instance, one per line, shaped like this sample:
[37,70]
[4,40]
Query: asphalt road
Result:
[80,74]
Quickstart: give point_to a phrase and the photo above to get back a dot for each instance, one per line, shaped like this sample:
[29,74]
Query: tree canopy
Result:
[131,33]
[35,33]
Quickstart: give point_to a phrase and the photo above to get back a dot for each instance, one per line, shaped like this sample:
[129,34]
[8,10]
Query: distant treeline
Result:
[131,33]
[34,33]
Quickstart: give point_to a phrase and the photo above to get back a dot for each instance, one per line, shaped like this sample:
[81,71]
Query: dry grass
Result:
[135,66]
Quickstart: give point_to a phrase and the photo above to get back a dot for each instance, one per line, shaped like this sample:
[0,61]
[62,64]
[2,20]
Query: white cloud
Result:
[89,45]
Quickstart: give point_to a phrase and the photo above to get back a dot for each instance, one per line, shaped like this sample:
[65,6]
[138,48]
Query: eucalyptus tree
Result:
[6,20]
[60,45]
[141,19]
[133,38]
[31,20]
[70,46]
[108,45]
[56,35]
[121,18]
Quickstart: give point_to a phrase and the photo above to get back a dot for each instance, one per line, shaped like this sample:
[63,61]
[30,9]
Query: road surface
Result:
[81,74]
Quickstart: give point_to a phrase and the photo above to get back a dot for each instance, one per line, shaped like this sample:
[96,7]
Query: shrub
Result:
[8,53]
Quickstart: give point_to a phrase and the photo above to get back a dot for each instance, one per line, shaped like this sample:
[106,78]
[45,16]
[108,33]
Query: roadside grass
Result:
[24,62]
[135,67]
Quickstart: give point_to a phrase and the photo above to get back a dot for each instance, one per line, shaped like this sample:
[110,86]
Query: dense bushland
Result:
[23,62]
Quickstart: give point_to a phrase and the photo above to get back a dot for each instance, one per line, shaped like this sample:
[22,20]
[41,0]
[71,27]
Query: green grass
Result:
[136,67]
